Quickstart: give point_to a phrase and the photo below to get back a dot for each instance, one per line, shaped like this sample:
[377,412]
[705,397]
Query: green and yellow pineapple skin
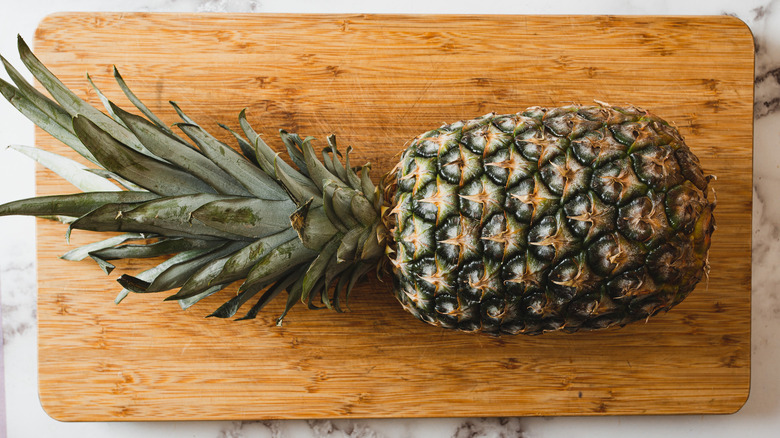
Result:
[570,218]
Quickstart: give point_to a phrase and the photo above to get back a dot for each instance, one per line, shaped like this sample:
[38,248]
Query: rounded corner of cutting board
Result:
[47,400]
[740,23]
[52,21]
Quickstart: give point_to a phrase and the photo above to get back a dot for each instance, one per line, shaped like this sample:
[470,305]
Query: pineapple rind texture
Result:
[571,218]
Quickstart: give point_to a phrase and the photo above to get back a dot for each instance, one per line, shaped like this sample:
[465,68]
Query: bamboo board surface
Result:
[376,82]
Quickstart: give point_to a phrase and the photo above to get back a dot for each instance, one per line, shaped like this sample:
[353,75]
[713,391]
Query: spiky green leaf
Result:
[104,100]
[49,107]
[150,274]
[139,104]
[246,148]
[55,127]
[71,171]
[287,279]
[290,253]
[176,275]
[75,205]
[149,173]
[83,251]
[319,174]
[293,144]
[257,182]
[177,214]
[232,267]
[366,184]
[313,226]
[317,269]
[352,179]
[154,249]
[174,150]
[248,217]
[73,104]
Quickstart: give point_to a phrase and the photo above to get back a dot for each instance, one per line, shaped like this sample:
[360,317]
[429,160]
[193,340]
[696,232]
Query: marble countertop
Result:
[759,417]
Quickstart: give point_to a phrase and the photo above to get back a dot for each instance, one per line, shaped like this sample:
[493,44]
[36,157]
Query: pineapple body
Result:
[569,218]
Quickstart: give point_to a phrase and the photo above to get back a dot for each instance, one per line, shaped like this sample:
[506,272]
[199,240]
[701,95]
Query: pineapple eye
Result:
[684,204]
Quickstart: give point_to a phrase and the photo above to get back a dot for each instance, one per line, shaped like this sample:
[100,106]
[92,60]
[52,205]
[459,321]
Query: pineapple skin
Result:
[570,218]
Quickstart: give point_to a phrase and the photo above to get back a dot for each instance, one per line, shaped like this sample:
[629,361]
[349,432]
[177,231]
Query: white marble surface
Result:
[760,417]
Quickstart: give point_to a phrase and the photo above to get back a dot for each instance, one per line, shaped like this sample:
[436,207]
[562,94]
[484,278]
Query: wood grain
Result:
[376,81]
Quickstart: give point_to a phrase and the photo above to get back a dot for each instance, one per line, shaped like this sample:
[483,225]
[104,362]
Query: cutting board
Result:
[376,81]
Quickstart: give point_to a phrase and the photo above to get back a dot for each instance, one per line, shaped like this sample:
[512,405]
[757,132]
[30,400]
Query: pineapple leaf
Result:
[371,249]
[319,174]
[176,275]
[242,261]
[266,165]
[51,108]
[316,270]
[230,308]
[337,166]
[332,273]
[263,152]
[73,104]
[175,214]
[293,144]
[300,190]
[359,271]
[127,185]
[367,187]
[272,292]
[327,207]
[156,216]
[247,217]
[342,206]
[328,162]
[181,114]
[363,210]
[186,303]
[150,274]
[41,118]
[105,266]
[155,249]
[72,171]
[290,253]
[250,133]
[246,148]
[316,291]
[150,173]
[313,226]
[75,205]
[233,267]
[352,178]
[348,245]
[173,149]
[257,182]
[104,100]
[84,251]
[337,292]
[293,297]
[140,105]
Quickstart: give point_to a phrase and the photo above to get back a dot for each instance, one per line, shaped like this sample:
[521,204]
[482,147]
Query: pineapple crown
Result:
[224,216]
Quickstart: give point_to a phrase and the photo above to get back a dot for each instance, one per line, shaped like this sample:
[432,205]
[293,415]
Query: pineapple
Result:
[570,218]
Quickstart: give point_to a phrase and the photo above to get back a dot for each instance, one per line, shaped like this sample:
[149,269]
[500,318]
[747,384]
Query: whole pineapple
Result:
[570,218]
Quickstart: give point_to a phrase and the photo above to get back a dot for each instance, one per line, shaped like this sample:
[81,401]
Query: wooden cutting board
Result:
[376,81]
